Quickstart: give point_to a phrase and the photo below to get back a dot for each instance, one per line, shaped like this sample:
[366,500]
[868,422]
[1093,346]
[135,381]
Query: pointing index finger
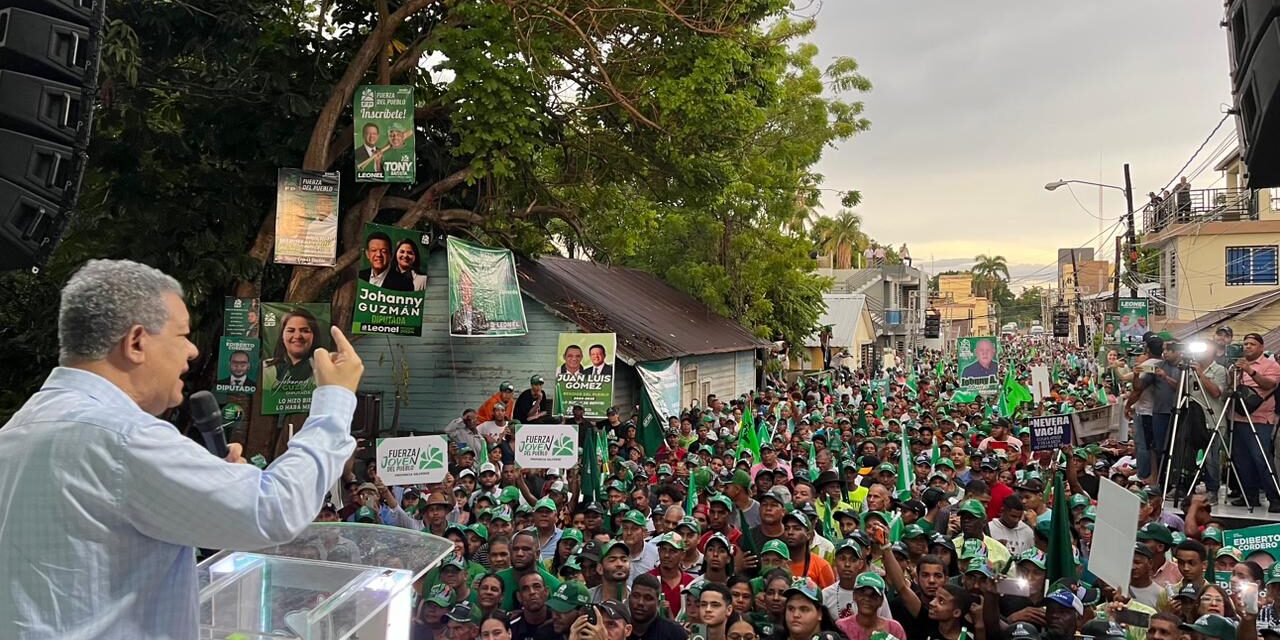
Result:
[340,343]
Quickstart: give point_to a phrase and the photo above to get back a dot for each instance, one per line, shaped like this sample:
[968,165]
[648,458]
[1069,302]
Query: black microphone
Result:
[207,417]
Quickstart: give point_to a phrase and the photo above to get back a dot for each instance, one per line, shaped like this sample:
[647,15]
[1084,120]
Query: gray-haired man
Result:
[120,497]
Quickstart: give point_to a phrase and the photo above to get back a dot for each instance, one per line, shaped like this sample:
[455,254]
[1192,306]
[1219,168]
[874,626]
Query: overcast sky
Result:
[976,105]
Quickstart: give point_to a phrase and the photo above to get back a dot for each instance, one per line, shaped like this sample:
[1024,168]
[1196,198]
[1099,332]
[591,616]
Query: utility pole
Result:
[1115,294]
[1131,257]
[1075,284]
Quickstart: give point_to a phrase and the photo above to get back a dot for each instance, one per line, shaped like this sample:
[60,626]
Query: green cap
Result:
[572,534]
[1212,626]
[1212,533]
[509,495]
[614,544]
[1156,531]
[692,524]
[536,379]
[665,470]
[1090,513]
[440,595]
[499,513]
[365,513]
[671,539]
[798,516]
[807,588]
[506,386]
[1230,552]
[570,595]
[572,563]
[1079,500]
[480,530]
[718,537]
[913,531]
[1273,574]
[979,565]
[454,562]
[545,503]
[973,508]
[945,462]
[721,499]
[634,517]
[869,580]
[887,466]
[852,545]
[778,547]
[1034,556]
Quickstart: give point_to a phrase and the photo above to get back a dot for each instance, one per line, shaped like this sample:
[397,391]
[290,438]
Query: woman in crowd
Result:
[488,593]
[804,616]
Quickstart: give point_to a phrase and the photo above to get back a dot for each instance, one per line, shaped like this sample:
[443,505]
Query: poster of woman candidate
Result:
[484,294]
[384,133]
[392,283]
[977,359]
[291,333]
[584,373]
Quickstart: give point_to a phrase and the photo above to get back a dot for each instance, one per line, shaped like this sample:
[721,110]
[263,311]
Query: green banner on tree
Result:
[484,294]
[584,373]
[240,317]
[978,364]
[391,288]
[306,217]
[237,366]
[290,335]
[384,133]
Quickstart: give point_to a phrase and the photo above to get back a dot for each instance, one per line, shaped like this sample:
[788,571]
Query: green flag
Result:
[748,436]
[1012,395]
[906,470]
[813,461]
[964,396]
[1060,561]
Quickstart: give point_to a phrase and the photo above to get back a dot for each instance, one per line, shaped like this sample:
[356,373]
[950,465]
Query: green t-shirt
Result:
[509,585]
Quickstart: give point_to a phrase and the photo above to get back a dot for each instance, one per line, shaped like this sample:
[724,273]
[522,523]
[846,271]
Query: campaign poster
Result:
[384,133]
[1111,335]
[413,459]
[584,373]
[392,285]
[978,363]
[1262,539]
[546,446]
[484,294]
[240,317]
[237,366]
[291,333]
[306,217]
[1050,432]
[1132,320]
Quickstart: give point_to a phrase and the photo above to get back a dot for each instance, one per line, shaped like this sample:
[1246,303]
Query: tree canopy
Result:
[679,138]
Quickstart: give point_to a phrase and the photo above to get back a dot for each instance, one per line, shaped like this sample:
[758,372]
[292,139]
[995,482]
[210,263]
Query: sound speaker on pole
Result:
[49,56]
[1253,36]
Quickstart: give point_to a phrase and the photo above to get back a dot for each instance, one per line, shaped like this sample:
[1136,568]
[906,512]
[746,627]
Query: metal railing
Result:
[1187,206]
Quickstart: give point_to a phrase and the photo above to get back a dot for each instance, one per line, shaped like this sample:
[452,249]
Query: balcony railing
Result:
[1199,205]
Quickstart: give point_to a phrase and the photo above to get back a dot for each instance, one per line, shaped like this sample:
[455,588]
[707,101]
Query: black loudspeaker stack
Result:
[49,53]
[1253,36]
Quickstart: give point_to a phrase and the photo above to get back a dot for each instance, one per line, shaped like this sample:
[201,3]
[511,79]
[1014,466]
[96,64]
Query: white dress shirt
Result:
[104,503]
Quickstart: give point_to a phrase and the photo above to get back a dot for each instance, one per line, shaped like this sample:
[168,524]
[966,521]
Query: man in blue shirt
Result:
[123,497]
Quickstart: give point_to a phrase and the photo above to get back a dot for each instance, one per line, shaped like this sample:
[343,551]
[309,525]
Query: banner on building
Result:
[240,317]
[977,360]
[584,373]
[546,446]
[1254,540]
[1131,321]
[659,400]
[384,133]
[1050,432]
[413,459]
[306,217]
[237,366]
[291,333]
[484,294]
[391,289]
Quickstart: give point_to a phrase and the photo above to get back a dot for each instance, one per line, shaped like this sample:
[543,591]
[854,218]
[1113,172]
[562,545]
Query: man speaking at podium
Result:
[103,502]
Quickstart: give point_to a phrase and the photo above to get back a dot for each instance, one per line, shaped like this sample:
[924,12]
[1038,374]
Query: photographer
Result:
[1260,375]
[1208,381]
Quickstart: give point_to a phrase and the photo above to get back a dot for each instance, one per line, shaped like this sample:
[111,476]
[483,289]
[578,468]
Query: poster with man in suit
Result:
[237,366]
[977,361]
[584,373]
[384,149]
[484,294]
[391,287]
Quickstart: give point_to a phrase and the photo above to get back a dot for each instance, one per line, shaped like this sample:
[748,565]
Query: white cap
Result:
[488,467]
[466,472]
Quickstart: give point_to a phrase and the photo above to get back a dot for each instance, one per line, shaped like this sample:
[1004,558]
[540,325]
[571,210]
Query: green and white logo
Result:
[546,446]
[412,460]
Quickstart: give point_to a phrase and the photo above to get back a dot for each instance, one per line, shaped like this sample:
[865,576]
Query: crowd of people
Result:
[855,505]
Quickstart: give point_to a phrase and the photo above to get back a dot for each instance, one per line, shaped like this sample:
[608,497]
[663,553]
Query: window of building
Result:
[1173,269]
[1253,265]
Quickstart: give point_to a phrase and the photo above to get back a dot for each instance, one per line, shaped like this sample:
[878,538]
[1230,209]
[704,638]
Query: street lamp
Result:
[1131,239]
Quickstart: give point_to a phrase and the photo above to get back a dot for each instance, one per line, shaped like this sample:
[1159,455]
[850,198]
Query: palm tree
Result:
[841,237]
[988,271]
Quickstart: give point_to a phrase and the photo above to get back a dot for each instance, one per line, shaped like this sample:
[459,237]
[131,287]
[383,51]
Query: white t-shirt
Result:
[1016,540]
[839,602]
[491,429]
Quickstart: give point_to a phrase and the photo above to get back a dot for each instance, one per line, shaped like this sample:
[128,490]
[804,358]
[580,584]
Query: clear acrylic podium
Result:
[337,580]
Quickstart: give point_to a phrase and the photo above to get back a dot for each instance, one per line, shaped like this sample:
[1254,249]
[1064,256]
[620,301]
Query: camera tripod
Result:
[1236,403]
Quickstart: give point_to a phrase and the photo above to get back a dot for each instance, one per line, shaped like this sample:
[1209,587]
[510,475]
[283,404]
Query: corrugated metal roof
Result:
[843,311]
[1212,319]
[653,320]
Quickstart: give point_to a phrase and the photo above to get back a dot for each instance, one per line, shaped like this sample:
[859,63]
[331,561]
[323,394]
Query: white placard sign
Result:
[1117,525]
[1040,384]
[413,459]
[546,446]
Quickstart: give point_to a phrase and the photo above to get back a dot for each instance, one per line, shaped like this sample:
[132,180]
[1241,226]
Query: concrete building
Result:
[961,312]
[852,330]
[1218,247]
[896,296]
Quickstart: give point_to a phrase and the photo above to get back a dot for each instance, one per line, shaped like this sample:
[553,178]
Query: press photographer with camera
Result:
[1256,379]
[1208,390]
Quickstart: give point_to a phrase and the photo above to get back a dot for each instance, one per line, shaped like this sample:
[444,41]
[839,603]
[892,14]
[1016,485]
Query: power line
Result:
[1198,150]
